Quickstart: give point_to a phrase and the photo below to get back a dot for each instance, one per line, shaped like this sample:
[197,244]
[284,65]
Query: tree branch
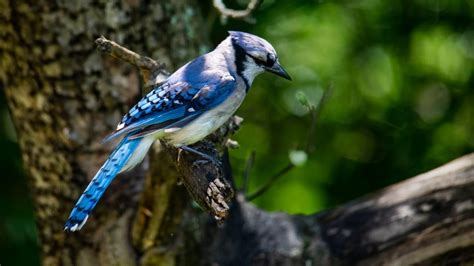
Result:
[425,220]
[246,174]
[315,111]
[237,14]
[411,222]
[209,184]
[150,69]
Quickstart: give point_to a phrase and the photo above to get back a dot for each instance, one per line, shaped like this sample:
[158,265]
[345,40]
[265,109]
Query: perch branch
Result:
[237,14]
[208,183]
[204,180]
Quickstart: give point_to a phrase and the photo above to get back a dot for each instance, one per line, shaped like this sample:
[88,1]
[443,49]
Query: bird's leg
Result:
[206,156]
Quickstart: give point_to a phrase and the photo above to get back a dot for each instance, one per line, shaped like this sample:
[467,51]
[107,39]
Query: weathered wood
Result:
[426,220]
[428,216]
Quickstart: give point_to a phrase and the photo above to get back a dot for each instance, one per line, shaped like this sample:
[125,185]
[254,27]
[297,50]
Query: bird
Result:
[192,103]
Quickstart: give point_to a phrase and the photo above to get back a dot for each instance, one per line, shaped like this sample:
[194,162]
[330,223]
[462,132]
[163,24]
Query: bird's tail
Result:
[128,153]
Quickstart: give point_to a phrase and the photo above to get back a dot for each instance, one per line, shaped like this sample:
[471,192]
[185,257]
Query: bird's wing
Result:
[174,104]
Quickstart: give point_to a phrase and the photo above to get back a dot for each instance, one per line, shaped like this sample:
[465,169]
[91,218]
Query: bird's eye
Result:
[259,60]
[268,61]
[271,59]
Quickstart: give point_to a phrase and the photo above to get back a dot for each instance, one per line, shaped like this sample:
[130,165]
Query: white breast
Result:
[208,122]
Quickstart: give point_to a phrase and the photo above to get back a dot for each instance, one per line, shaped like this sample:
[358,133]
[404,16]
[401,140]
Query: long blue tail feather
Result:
[100,182]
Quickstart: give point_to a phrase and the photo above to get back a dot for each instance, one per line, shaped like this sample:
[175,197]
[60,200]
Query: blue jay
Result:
[193,102]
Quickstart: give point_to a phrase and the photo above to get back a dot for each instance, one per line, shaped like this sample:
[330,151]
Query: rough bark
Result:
[64,97]
[58,88]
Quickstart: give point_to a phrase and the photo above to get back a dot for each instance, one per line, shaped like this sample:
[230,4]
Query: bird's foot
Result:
[203,155]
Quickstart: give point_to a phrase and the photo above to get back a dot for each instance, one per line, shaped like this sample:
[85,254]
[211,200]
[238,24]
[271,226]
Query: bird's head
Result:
[254,55]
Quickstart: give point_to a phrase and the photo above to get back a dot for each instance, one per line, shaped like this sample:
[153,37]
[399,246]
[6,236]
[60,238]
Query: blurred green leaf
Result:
[298,157]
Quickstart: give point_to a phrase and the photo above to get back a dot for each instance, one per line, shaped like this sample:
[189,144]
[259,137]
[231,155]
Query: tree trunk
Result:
[65,97]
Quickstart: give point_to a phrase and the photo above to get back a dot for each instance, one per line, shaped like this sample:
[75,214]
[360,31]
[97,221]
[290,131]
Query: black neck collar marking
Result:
[240,57]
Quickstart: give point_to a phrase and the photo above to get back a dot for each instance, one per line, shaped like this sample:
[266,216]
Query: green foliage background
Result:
[402,100]
[402,103]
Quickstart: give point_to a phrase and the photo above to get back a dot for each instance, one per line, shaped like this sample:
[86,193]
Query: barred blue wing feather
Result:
[156,119]
[174,104]
[166,97]
[162,104]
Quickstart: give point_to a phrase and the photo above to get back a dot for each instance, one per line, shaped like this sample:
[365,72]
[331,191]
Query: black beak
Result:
[277,69]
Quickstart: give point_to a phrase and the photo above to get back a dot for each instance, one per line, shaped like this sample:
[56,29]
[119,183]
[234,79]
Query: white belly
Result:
[208,122]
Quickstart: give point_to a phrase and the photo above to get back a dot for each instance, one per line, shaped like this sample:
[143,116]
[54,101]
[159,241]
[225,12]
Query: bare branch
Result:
[248,167]
[149,68]
[237,14]
[270,182]
[308,147]
[314,117]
